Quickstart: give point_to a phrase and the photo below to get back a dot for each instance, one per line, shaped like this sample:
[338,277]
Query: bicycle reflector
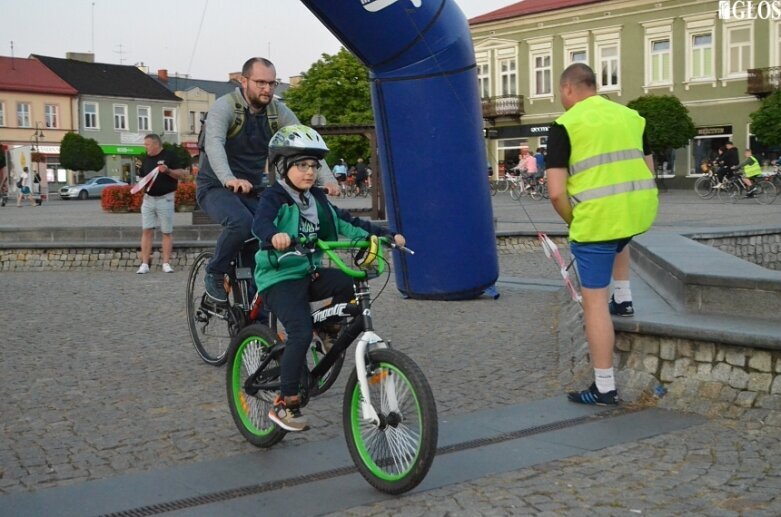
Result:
[367,256]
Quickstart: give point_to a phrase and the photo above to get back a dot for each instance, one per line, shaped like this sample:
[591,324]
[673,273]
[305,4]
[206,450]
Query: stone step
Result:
[698,278]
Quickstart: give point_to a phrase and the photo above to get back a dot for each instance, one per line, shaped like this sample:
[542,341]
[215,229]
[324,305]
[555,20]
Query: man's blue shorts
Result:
[595,261]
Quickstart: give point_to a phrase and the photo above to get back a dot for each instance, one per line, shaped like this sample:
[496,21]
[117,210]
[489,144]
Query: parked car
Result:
[90,188]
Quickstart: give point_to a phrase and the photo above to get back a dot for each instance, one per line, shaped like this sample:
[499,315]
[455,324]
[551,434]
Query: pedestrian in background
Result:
[157,209]
[25,188]
[601,183]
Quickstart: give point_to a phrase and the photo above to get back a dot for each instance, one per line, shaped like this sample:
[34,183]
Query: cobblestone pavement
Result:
[98,378]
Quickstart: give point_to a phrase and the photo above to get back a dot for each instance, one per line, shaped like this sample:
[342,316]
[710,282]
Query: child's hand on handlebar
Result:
[399,240]
[281,241]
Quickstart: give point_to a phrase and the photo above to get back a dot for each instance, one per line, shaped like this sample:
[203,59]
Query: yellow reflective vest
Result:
[753,168]
[613,194]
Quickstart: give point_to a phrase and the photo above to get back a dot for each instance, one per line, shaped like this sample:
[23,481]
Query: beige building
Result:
[719,64]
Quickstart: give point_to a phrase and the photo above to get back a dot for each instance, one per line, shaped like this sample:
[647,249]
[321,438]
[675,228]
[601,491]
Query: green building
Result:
[719,58]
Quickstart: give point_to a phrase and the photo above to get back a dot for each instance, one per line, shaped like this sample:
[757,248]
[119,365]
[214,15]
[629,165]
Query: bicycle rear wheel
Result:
[729,193]
[395,454]
[766,192]
[250,412]
[210,327]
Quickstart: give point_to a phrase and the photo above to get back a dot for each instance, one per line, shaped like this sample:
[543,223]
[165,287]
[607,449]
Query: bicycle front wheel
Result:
[705,187]
[766,192]
[250,412]
[209,326]
[395,454]
[515,191]
[502,184]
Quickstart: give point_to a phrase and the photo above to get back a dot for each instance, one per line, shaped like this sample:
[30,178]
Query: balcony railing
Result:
[503,106]
[764,81]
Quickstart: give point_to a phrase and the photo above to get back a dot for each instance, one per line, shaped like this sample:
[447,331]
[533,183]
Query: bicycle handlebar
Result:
[308,247]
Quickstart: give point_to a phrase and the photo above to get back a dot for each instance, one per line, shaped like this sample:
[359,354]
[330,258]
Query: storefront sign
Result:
[523,131]
[714,131]
[132,150]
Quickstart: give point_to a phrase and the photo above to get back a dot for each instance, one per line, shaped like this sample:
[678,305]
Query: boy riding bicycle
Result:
[752,171]
[289,210]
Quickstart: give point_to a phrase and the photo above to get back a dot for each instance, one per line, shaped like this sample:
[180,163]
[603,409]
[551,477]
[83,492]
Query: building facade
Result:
[719,67]
[36,111]
[117,106]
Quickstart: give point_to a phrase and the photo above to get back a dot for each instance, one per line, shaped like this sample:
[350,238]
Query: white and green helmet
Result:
[297,141]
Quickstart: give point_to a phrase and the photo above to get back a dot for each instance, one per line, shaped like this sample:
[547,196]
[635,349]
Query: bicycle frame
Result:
[361,327]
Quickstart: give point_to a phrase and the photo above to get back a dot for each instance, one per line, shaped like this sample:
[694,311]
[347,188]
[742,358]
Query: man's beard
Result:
[257,103]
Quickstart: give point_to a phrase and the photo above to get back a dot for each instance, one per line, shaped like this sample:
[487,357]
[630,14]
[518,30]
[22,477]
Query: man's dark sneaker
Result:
[592,396]
[287,414]
[621,309]
[215,288]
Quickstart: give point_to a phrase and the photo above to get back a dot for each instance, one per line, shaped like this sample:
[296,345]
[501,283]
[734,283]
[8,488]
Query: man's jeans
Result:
[235,213]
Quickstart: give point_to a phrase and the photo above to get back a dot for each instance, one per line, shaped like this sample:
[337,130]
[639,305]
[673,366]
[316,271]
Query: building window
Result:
[91,115]
[508,76]
[51,116]
[191,121]
[541,73]
[608,67]
[2,114]
[577,56]
[23,115]
[738,51]
[169,120]
[484,80]
[143,118]
[120,117]
[702,56]
[575,48]
[661,61]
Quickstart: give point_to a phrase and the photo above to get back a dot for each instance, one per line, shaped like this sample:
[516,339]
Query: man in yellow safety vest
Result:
[601,184]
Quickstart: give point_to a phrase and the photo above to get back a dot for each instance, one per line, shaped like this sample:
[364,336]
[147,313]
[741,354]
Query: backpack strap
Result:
[272,113]
[238,115]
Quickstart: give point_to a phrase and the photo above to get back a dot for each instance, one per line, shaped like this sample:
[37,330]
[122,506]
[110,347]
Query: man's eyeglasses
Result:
[260,83]
[305,166]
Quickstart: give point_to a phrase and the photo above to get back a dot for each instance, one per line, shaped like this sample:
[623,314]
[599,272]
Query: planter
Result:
[186,208]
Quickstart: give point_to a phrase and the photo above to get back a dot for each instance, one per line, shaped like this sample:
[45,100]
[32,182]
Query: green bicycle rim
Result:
[237,386]
[355,421]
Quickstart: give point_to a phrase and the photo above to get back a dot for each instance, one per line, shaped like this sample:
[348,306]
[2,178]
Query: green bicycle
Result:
[389,413]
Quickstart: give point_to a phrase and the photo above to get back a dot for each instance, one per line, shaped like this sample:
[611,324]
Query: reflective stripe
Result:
[603,159]
[611,190]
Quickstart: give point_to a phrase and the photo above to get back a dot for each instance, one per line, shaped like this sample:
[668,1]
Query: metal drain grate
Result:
[235,493]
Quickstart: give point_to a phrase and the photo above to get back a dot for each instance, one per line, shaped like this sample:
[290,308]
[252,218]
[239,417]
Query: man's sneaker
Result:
[167,268]
[143,269]
[287,417]
[620,309]
[592,396]
[215,287]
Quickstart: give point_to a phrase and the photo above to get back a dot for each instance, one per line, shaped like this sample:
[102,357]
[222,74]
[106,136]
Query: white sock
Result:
[621,291]
[605,379]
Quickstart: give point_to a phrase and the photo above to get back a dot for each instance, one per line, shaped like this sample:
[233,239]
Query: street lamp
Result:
[37,135]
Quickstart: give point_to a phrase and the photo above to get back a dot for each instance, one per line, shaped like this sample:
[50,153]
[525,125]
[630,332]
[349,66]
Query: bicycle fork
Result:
[369,413]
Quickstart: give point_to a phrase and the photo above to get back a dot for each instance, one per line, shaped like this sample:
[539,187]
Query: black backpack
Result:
[238,119]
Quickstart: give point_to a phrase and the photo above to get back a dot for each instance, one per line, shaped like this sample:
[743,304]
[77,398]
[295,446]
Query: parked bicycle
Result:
[389,413]
[733,189]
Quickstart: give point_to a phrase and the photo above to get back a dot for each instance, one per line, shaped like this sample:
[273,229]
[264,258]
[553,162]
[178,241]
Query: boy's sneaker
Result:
[167,268]
[620,309]
[215,287]
[592,396]
[288,418]
[143,269]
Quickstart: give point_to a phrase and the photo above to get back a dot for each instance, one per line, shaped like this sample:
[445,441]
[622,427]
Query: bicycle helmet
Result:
[292,143]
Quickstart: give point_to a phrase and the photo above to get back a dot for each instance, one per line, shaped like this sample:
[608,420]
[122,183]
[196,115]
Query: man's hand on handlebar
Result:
[239,186]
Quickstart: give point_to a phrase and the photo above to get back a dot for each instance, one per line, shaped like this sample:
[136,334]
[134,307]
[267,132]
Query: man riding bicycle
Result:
[233,160]
[287,211]
[752,171]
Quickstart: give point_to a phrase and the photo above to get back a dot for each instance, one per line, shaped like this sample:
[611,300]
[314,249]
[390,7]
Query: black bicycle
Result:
[733,189]
[389,413]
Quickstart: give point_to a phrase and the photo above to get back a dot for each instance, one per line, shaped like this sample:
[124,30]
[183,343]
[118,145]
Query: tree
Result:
[667,121]
[81,154]
[766,121]
[183,157]
[337,87]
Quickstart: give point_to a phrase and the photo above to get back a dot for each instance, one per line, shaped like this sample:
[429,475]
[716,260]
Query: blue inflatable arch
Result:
[430,139]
